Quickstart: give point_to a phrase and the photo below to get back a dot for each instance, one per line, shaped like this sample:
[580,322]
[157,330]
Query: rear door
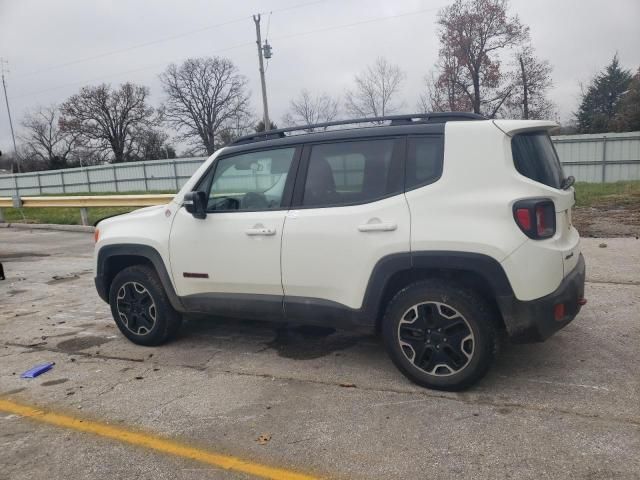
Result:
[349,212]
[535,157]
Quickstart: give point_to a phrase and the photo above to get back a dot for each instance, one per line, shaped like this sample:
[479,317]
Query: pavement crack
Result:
[615,282]
[466,398]
[39,348]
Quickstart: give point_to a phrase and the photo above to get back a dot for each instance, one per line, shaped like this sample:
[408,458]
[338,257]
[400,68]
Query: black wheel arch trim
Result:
[483,265]
[326,312]
[104,276]
[309,310]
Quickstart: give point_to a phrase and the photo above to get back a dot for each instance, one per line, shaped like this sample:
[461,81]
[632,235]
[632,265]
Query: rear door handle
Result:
[259,230]
[378,227]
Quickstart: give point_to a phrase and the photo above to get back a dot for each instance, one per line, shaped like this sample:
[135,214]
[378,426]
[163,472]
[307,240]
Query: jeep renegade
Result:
[438,231]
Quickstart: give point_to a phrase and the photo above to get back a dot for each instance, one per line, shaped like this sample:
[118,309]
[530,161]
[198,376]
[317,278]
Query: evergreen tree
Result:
[260,126]
[601,99]
[627,117]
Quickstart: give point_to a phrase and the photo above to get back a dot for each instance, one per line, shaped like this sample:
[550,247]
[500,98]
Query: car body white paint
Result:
[329,253]
[322,253]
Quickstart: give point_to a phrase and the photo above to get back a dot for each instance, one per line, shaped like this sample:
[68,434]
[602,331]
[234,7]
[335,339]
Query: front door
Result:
[233,255]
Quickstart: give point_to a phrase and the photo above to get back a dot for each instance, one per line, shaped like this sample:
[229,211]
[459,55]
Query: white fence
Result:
[589,158]
[149,176]
[608,157]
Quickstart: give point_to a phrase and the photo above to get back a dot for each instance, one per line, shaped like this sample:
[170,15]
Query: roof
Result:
[377,126]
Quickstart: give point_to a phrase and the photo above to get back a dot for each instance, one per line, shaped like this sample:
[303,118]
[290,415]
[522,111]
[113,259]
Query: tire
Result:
[440,335]
[140,307]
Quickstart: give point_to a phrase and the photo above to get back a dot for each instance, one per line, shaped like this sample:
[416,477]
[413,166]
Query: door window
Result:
[249,181]
[424,161]
[350,172]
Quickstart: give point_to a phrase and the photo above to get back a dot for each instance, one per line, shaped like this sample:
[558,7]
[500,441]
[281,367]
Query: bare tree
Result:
[375,91]
[531,82]
[242,123]
[307,110]
[476,32]
[106,119]
[443,92]
[151,143]
[205,98]
[43,139]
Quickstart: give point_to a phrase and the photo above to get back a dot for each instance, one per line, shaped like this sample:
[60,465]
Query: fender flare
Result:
[104,276]
[483,265]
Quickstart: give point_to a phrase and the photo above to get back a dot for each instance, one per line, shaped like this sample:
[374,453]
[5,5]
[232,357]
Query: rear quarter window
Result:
[535,157]
[424,161]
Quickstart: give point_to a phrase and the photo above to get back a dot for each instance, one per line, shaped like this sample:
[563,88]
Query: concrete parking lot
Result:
[329,404]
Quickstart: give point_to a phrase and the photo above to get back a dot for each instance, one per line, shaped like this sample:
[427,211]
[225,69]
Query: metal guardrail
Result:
[83,202]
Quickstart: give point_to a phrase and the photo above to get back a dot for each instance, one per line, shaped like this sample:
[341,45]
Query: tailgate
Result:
[567,237]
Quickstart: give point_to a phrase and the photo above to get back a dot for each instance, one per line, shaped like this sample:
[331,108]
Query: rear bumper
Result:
[534,320]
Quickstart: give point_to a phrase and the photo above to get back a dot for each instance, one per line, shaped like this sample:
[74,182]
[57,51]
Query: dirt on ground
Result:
[609,218]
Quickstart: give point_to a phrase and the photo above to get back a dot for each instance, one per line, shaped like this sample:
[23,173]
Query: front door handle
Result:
[260,230]
[375,225]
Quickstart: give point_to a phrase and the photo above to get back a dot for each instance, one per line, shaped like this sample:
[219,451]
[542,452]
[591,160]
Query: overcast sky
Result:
[318,45]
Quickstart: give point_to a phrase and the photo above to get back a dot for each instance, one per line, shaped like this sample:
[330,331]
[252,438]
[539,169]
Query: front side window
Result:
[535,158]
[347,173]
[249,181]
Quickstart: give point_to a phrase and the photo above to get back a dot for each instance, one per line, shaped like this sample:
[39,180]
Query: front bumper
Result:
[534,320]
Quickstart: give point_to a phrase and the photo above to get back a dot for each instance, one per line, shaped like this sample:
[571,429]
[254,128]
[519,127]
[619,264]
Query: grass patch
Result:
[60,216]
[607,194]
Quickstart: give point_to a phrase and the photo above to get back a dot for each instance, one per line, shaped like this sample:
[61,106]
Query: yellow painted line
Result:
[158,444]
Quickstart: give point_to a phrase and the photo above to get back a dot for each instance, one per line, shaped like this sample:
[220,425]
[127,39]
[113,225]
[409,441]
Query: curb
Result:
[49,226]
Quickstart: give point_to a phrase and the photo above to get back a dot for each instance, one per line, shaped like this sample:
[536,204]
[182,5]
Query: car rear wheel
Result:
[440,335]
[140,306]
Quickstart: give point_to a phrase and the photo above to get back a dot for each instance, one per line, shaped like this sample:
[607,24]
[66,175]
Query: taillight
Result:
[523,217]
[96,235]
[545,220]
[536,217]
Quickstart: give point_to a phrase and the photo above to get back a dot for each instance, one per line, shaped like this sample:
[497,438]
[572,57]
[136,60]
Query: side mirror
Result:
[196,204]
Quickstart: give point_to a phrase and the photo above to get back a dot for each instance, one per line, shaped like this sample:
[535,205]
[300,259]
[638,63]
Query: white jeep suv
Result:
[437,230]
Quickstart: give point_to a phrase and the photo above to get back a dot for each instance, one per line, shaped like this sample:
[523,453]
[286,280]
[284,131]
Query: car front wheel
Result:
[140,306]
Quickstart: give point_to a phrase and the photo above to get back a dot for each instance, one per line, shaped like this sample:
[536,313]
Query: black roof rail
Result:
[435,117]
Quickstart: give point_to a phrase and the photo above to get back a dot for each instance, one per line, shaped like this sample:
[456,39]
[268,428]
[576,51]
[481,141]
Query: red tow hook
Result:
[582,301]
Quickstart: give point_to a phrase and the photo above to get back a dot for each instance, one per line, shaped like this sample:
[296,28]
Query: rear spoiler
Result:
[511,127]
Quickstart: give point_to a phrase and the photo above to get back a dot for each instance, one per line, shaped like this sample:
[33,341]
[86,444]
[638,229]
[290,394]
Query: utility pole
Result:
[6,99]
[265,107]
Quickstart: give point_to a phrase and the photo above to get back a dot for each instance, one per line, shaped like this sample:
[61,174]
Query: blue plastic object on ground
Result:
[37,370]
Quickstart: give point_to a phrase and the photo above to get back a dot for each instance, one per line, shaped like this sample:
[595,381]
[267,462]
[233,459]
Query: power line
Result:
[292,35]
[355,24]
[157,41]
[116,74]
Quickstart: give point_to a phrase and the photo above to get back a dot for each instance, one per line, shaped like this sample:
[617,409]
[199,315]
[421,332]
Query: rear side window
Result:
[424,161]
[535,158]
[351,172]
